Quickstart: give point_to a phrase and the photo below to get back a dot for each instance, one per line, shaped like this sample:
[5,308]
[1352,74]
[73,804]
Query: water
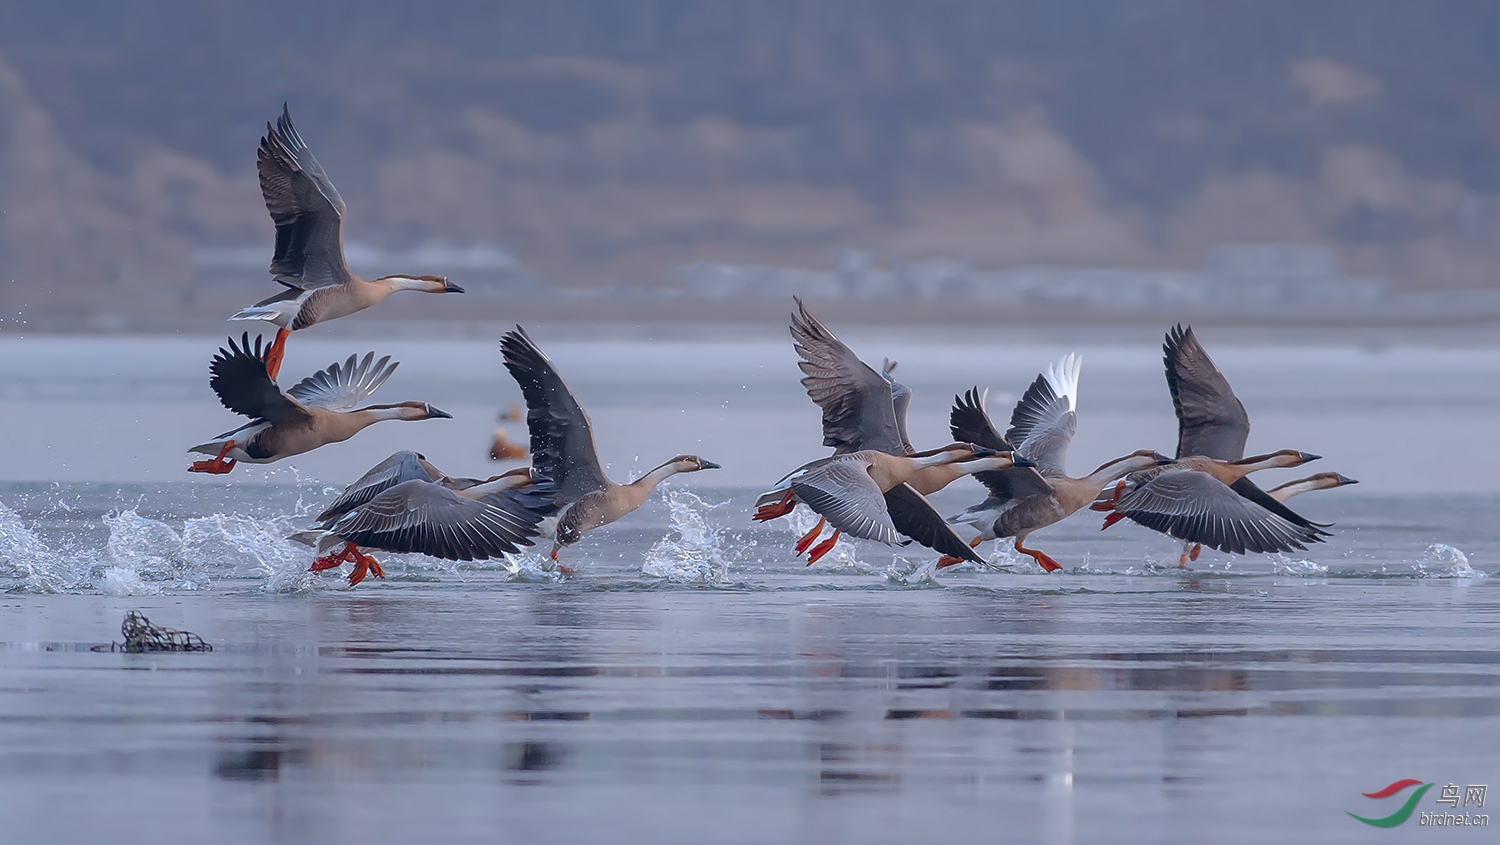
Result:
[695,682]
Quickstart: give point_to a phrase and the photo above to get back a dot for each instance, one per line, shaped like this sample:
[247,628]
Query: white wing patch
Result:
[1062,377]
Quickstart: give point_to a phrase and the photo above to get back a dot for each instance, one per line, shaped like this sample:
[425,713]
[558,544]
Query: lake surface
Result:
[693,682]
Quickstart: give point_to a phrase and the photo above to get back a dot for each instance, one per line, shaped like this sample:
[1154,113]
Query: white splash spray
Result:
[695,554]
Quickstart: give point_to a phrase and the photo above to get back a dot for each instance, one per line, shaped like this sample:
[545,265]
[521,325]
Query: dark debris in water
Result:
[142,636]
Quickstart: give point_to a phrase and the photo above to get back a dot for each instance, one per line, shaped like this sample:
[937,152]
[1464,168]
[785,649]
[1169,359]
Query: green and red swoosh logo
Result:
[1402,814]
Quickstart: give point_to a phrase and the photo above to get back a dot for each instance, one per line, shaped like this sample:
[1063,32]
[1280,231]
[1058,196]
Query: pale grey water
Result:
[695,683]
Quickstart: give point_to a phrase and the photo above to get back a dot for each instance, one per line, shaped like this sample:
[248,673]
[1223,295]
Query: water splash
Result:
[1441,560]
[843,556]
[695,554]
[1283,565]
[151,550]
[126,581]
[250,548]
[27,565]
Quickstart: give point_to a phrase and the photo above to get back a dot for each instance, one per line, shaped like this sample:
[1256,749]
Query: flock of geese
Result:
[874,486]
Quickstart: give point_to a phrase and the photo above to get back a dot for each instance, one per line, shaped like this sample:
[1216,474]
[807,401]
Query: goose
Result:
[1212,429]
[863,409]
[848,491]
[317,411]
[1026,499]
[1321,481]
[562,449]
[309,258]
[405,504]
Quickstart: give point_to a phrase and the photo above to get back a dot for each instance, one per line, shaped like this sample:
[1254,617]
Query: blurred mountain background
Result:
[576,145]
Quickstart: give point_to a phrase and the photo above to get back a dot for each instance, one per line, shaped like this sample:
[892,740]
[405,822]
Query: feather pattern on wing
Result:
[341,387]
[562,441]
[398,468]
[421,517]
[913,516]
[1045,419]
[969,423]
[306,208]
[1198,508]
[858,406]
[841,489]
[1211,421]
[239,377]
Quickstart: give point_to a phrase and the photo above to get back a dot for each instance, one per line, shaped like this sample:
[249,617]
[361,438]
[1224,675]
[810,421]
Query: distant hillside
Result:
[601,142]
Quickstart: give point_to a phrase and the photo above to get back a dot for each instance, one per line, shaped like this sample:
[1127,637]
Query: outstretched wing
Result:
[970,423]
[339,387]
[426,518]
[239,377]
[844,492]
[913,516]
[900,402]
[1198,508]
[306,208]
[1210,419]
[398,468]
[858,409]
[562,442]
[1044,421]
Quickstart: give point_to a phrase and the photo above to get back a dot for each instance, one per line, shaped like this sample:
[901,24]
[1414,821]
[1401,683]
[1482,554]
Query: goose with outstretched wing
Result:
[1023,499]
[309,257]
[562,448]
[321,409]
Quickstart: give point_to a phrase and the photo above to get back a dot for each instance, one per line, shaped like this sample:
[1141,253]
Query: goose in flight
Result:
[309,258]
[849,490]
[318,410]
[863,409]
[562,448]
[405,504]
[1206,497]
[1024,499]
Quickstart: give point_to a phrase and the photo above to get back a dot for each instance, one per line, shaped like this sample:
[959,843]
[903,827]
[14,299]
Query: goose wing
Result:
[341,387]
[562,440]
[913,516]
[239,377]
[1198,508]
[900,401]
[844,492]
[306,208]
[969,423]
[1210,419]
[858,409]
[398,468]
[426,518]
[1045,419]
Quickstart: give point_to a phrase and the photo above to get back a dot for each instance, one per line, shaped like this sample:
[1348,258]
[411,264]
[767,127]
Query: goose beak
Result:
[984,452]
[1344,479]
[702,464]
[449,287]
[1162,460]
[1021,460]
[1308,457]
[438,413]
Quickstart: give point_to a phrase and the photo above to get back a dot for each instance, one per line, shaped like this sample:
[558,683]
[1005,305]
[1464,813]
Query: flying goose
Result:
[1025,499]
[1212,424]
[405,504]
[863,409]
[562,448]
[849,490]
[309,258]
[318,410]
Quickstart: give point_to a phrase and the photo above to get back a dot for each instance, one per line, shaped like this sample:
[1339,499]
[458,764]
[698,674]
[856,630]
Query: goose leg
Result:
[1041,558]
[949,560]
[822,548]
[809,537]
[1111,520]
[363,565]
[1113,500]
[781,508]
[276,353]
[216,466]
[1197,550]
[561,567]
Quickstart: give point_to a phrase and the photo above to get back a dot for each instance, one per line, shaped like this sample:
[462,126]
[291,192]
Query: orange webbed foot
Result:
[823,548]
[364,565]
[276,353]
[780,509]
[809,537]
[217,465]
[948,560]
